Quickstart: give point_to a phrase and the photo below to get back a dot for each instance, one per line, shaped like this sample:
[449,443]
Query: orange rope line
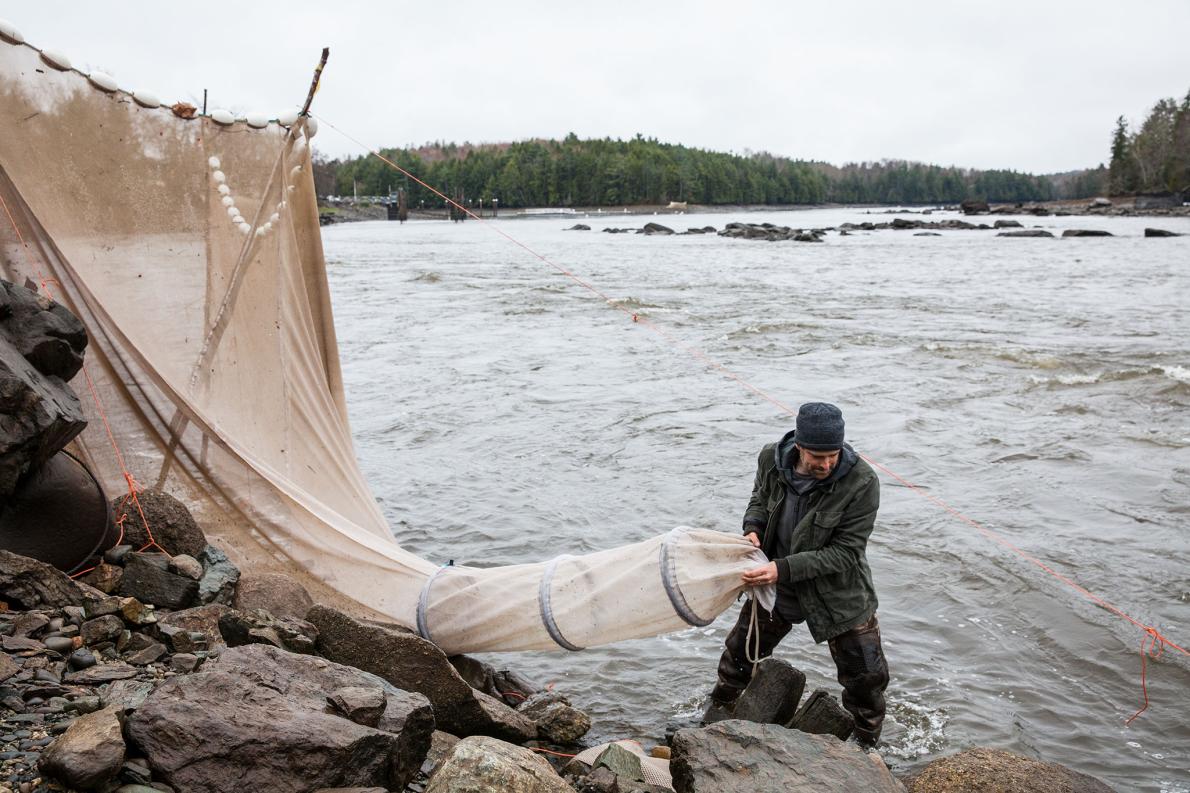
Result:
[132,483]
[551,751]
[1157,637]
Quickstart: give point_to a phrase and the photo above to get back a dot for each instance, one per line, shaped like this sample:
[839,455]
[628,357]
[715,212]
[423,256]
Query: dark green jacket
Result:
[827,564]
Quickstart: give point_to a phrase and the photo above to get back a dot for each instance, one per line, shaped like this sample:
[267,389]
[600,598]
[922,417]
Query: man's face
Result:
[818,464]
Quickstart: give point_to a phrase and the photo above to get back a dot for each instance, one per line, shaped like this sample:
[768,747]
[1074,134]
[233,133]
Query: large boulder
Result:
[261,718]
[481,763]
[277,594]
[170,522]
[90,753]
[414,664]
[41,348]
[1086,233]
[773,694]
[994,771]
[28,584]
[742,756]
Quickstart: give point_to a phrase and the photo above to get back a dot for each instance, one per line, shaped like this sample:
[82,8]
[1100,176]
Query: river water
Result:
[1040,386]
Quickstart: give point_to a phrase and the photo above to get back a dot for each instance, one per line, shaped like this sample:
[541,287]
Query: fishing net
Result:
[190,249]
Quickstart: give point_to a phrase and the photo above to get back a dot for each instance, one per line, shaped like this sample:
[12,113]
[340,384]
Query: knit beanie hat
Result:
[819,427]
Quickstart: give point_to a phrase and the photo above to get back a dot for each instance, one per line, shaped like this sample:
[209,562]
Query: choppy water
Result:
[1041,386]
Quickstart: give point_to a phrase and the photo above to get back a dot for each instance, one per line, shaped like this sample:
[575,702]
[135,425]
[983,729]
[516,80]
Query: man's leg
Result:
[863,673]
[735,670]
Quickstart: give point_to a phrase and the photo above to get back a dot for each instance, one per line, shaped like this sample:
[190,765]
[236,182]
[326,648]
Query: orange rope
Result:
[1158,639]
[551,751]
[132,484]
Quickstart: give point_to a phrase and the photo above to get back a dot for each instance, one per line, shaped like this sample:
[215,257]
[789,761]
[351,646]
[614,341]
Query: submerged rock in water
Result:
[823,715]
[411,663]
[481,763]
[991,771]
[744,757]
[258,719]
[773,694]
[1086,233]
[1160,233]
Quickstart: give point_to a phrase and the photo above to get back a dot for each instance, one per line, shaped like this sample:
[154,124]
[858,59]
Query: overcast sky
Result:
[1034,86]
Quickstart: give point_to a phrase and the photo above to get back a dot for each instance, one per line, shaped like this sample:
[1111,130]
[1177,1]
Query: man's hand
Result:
[753,538]
[759,576]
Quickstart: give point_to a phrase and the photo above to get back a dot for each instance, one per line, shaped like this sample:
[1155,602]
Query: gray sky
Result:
[1034,86]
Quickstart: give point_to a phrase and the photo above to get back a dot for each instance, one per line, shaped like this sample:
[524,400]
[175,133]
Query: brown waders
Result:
[859,659]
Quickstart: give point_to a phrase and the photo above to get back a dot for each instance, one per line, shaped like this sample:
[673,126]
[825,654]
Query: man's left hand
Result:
[760,576]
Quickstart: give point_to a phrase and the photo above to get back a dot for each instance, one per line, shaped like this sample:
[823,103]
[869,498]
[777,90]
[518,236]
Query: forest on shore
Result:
[575,172]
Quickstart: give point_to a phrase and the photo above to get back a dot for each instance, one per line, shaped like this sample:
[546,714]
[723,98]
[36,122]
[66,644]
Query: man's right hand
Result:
[753,538]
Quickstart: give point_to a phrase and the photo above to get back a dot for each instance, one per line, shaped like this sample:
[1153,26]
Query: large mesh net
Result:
[191,251]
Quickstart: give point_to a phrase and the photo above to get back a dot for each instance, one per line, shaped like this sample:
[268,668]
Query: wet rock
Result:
[823,715]
[410,662]
[41,348]
[483,763]
[105,577]
[277,594]
[991,771]
[29,584]
[258,720]
[745,757]
[557,721]
[186,566]
[81,658]
[148,583]
[89,754]
[1160,233]
[1025,233]
[1007,224]
[1086,233]
[927,234]
[259,627]
[656,228]
[101,629]
[773,694]
[219,579]
[579,227]
[169,520]
[974,207]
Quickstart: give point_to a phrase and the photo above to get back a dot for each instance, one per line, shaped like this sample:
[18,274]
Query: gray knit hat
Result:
[819,427]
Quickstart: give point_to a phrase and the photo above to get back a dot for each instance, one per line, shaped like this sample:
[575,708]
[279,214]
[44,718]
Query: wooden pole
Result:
[326,53]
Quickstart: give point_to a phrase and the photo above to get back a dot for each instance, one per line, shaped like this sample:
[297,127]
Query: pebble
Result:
[187,566]
[82,659]
[59,644]
[46,676]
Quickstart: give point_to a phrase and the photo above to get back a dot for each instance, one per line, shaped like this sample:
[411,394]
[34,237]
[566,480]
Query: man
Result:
[813,506]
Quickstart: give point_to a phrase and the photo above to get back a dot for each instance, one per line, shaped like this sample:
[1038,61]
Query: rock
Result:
[184,662]
[1007,224]
[823,715]
[991,771]
[219,579]
[8,667]
[1164,200]
[579,227]
[146,655]
[257,719]
[480,763]
[557,721]
[104,673]
[351,790]
[105,577]
[1160,233]
[117,554]
[411,663]
[623,763]
[277,594]
[136,613]
[974,207]
[1025,233]
[362,705]
[773,694]
[63,645]
[259,627]
[656,228]
[187,566]
[41,348]
[181,640]
[29,584]
[170,522]
[127,694]
[200,619]
[89,754]
[660,752]
[927,234]
[747,757]
[1085,233]
[441,745]
[81,659]
[1101,202]
[101,629]
[148,583]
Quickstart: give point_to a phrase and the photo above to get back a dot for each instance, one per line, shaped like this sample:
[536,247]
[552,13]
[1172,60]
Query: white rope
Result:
[752,654]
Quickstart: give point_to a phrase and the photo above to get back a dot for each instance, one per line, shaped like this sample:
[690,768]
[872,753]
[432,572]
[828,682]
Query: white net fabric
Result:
[191,251]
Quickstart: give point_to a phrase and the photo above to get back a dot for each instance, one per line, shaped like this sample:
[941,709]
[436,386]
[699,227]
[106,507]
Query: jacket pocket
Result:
[824,526]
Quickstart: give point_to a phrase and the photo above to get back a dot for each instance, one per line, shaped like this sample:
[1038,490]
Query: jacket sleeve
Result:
[756,517]
[846,545]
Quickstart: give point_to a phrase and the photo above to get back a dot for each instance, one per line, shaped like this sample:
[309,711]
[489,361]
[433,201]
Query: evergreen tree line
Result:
[1156,157]
[607,172]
